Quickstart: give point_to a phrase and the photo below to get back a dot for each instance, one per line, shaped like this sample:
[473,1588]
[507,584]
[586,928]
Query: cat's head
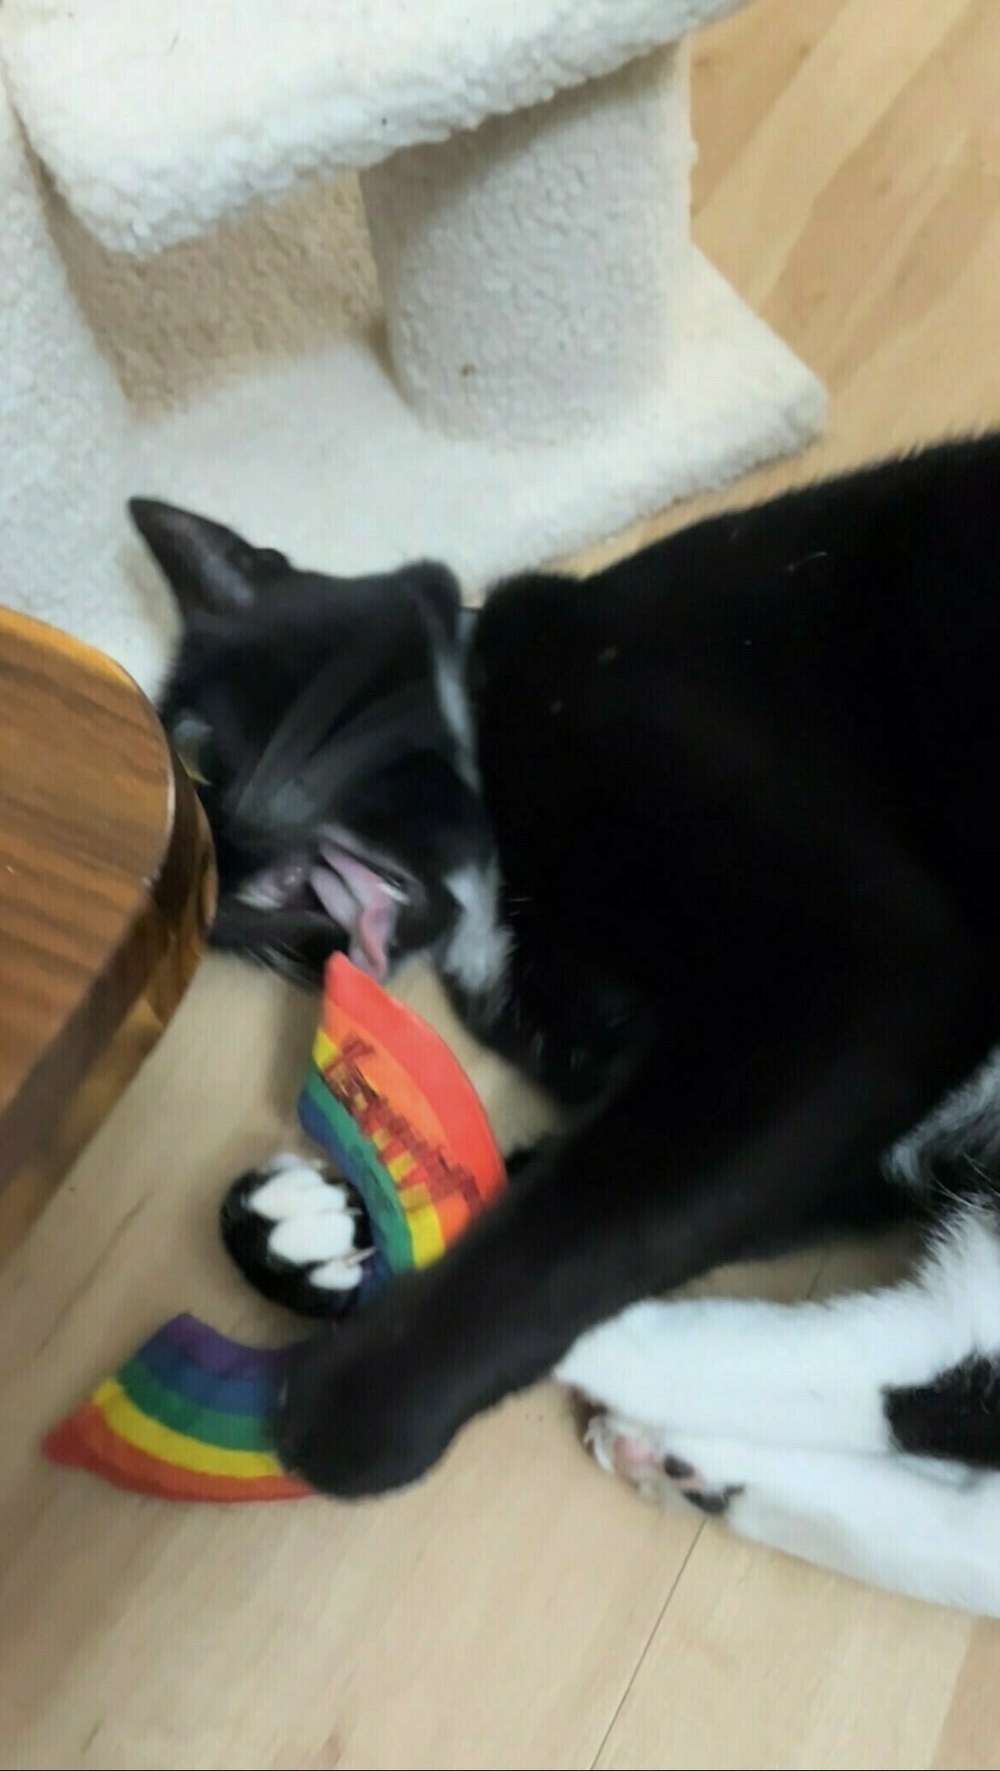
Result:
[325,723]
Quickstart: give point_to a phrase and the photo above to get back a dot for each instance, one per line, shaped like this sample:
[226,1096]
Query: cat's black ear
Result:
[208,566]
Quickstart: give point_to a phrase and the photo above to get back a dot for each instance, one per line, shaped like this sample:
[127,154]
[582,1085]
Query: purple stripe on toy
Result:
[216,1352]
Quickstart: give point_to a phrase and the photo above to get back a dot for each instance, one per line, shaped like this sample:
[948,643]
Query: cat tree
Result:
[546,356]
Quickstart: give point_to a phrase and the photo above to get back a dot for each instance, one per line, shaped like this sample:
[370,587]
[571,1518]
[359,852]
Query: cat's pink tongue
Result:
[357,898]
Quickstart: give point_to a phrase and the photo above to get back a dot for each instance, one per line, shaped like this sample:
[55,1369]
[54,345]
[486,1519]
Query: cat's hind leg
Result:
[861,1372]
[862,1434]
[918,1526]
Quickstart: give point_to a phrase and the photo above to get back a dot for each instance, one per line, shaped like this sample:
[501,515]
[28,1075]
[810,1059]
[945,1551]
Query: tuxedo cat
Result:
[705,844]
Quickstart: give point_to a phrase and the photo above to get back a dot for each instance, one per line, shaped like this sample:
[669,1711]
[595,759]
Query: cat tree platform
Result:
[549,358]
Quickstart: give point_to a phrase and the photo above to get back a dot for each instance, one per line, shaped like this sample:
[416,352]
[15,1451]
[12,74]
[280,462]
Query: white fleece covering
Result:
[157,117]
[326,462]
[533,270]
[65,437]
[243,371]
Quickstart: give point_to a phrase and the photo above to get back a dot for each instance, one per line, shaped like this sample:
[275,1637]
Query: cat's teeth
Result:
[259,897]
[271,889]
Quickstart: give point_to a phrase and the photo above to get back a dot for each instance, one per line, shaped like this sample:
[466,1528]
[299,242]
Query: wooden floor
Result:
[518,1608]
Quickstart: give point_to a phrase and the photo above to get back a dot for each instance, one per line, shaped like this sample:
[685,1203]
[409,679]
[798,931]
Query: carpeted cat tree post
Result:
[548,356]
[65,437]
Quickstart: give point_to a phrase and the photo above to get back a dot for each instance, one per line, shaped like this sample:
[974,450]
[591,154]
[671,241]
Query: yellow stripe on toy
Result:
[179,1449]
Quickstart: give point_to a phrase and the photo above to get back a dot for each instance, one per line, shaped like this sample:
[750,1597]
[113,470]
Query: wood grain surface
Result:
[105,872]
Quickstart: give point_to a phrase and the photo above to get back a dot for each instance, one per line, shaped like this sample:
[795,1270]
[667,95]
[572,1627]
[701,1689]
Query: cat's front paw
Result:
[298,1234]
[361,1412]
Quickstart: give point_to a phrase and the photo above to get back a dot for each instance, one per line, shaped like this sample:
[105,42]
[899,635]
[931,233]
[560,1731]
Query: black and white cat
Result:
[705,844]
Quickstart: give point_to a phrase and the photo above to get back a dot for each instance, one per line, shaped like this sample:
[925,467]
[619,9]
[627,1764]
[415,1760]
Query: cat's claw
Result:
[658,1476]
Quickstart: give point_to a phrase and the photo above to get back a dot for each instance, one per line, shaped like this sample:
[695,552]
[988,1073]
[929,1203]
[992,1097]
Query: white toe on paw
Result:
[340,1275]
[299,1191]
[316,1222]
[316,1236]
[283,1159]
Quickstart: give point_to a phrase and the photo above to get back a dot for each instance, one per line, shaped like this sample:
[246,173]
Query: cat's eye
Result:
[190,738]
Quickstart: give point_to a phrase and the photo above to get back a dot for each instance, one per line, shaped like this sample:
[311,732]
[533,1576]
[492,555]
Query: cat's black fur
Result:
[742,789]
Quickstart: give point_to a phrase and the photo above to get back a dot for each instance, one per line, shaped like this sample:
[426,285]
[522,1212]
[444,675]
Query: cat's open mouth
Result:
[359,894]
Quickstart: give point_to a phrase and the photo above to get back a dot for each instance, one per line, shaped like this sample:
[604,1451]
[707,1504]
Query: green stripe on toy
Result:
[188,1417]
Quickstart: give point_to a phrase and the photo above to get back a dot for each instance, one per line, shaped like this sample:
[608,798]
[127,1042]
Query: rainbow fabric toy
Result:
[188,1416]
[185,1419]
[397,1115]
